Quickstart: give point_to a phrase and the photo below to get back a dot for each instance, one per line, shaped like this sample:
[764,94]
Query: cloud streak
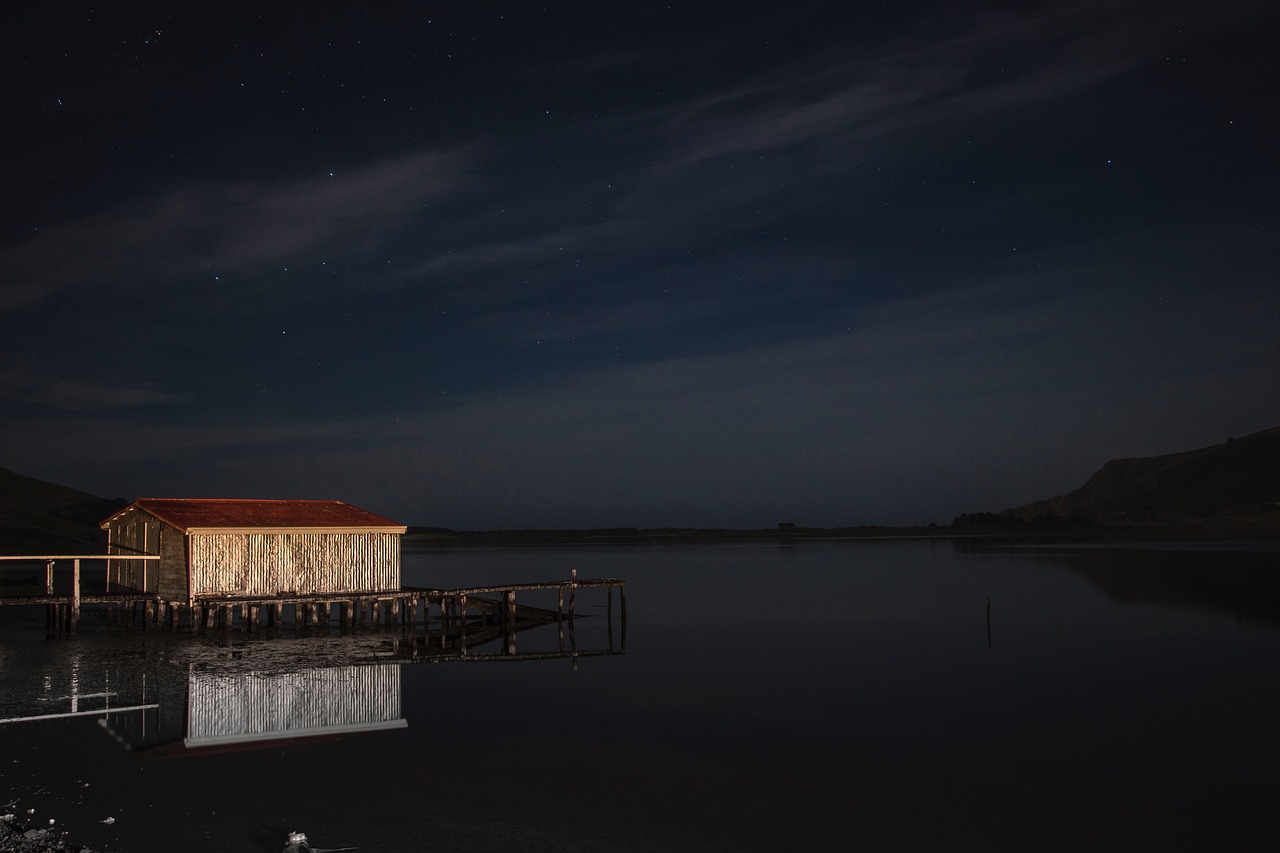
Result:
[201,230]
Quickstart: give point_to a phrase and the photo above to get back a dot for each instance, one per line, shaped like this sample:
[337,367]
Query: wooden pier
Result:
[64,607]
[462,614]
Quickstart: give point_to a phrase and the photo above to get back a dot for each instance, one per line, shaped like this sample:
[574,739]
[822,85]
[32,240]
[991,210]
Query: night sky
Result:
[484,265]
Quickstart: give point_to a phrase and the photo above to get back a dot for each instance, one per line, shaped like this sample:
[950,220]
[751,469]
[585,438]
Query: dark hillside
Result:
[1236,483]
[37,516]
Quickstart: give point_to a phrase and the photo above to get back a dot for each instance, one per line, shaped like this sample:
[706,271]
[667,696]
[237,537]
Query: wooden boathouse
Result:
[228,548]
[204,562]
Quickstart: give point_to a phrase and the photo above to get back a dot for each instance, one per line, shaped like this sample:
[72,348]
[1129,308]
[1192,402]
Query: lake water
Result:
[815,695]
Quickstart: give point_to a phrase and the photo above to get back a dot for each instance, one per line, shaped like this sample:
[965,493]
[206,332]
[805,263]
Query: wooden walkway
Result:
[459,612]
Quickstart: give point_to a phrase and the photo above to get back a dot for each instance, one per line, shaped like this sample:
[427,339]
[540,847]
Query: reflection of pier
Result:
[187,696]
[78,688]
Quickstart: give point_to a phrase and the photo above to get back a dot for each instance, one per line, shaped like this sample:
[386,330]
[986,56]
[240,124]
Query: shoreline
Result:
[20,838]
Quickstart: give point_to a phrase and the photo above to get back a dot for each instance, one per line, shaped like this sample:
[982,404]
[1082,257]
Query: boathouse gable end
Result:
[260,548]
[134,531]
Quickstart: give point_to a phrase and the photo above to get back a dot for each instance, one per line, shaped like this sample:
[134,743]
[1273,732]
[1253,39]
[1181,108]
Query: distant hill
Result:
[1235,484]
[36,516]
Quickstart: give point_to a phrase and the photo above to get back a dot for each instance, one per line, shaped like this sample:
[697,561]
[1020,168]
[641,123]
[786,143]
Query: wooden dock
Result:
[461,613]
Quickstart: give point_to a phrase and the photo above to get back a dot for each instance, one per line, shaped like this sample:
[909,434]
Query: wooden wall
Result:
[139,532]
[268,564]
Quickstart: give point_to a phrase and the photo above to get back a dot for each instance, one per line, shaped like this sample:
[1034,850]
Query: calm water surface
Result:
[891,695]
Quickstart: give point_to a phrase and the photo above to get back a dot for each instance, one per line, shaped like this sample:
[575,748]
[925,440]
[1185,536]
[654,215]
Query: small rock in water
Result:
[297,843]
[108,820]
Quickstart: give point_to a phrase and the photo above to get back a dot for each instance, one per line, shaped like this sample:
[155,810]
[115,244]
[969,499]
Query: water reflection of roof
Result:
[186,748]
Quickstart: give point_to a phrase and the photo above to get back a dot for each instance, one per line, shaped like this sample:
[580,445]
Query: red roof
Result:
[187,514]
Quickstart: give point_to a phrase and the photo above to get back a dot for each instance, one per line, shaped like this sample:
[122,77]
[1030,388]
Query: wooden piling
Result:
[622,604]
[509,621]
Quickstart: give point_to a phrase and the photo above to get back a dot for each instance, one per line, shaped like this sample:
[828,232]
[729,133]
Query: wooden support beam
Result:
[509,621]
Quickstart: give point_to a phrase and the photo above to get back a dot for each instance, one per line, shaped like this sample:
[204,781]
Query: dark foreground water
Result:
[894,695]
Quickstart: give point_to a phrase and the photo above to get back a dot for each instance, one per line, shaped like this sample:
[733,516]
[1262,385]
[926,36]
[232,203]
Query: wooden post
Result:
[560,615]
[462,638]
[75,592]
[622,602]
[509,620]
[572,594]
[48,577]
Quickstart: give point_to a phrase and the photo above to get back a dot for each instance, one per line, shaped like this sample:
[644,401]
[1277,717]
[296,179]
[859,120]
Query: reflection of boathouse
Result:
[253,548]
[199,697]
[219,708]
[255,706]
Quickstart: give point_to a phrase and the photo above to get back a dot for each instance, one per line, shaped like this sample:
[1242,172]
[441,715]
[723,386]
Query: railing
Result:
[50,560]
